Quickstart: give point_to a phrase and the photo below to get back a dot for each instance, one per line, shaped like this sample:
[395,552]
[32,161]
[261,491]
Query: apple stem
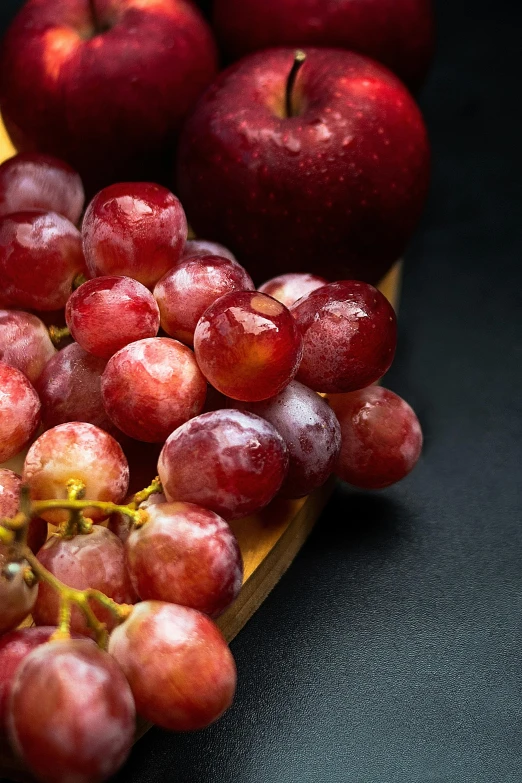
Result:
[299,58]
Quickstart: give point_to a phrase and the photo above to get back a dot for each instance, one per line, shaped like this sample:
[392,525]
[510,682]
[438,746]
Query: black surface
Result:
[391,652]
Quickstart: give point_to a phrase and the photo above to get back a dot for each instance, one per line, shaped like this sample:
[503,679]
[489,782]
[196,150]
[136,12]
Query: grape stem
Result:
[140,497]
[57,334]
[299,58]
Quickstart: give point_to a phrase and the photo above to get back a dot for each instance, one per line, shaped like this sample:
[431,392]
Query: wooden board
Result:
[269,540]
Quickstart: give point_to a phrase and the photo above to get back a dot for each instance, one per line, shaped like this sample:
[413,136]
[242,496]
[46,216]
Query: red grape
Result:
[152,386]
[179,667]
[311,432]
[107,313]
[202,247]
[185,292]
[81,451]
[70,390]
[288,288]
[136,229]
[31,180]
[14,647]
[71,714]
[40,255]
[95,560]
[349,334]
[10,484]
[122,525]
[248,346]
[16,598]
[381,437]
[228,461]
[24,342]
[19,411]
[185,555]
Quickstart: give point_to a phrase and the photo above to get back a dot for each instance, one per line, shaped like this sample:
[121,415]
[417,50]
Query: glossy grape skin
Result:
[203,247]
[349,332]
[228,461]
[381,437]
[179,667]
[288,288]
[152,386]
[95,560]
[187,290]
[24,342]
[137,229]
[40,255]
[311,432]
[14,647]
[70,390]
[10,485]
[185,555]
[31,180]
[84,725]
[81,451]
[16,598]
[19,411]
[107,313]
[248,346]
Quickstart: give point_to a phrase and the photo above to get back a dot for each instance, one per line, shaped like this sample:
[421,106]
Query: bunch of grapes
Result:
[166,350]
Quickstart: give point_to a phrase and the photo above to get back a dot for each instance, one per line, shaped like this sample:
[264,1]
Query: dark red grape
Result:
[381,437]
[31,180]
[349,332]
[179,667]
[24,342]
[185,555]
[19,411]
[71,715]
[248,346]
[152,386]
[202,247]
[288,288]
[109,312]
[137,229]
[228,461]
[185,292]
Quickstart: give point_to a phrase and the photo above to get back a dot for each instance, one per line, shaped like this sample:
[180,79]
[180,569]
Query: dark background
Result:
[391,652]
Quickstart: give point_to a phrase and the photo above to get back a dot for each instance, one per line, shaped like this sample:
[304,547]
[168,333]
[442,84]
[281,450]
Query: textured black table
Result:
[391,652]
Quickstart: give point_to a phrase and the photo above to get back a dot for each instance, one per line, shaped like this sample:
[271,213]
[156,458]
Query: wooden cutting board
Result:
[269,540]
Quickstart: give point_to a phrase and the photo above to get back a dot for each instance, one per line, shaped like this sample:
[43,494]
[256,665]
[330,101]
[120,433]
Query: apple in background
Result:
[104,84]
[398,33]
[322,170]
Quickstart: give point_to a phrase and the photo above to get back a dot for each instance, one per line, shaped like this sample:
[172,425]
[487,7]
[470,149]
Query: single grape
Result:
[70,390]
[95,560]
[152,386]
[71,715]
[187,290]
[248,346]
[19,411]
[107,313]
[81,451]
[24,342]
[16,598]
[31,180]
[228,461]
[14,647]
[349,332]
[122,525]
[202,247]
[10,485]
[288,288]
[137,229]
[381,437]
[179,667]
[40,255]
[311,432]
[185,555]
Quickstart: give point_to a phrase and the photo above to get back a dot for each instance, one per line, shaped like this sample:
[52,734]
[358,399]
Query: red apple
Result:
[398,33]
[104,84]
[326,174]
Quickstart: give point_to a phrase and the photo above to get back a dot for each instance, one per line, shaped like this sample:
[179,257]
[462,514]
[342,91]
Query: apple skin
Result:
[335,191]
[110,104]
[398,33]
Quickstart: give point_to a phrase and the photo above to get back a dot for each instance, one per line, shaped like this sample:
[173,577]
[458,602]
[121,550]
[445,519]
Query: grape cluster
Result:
[165,348]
